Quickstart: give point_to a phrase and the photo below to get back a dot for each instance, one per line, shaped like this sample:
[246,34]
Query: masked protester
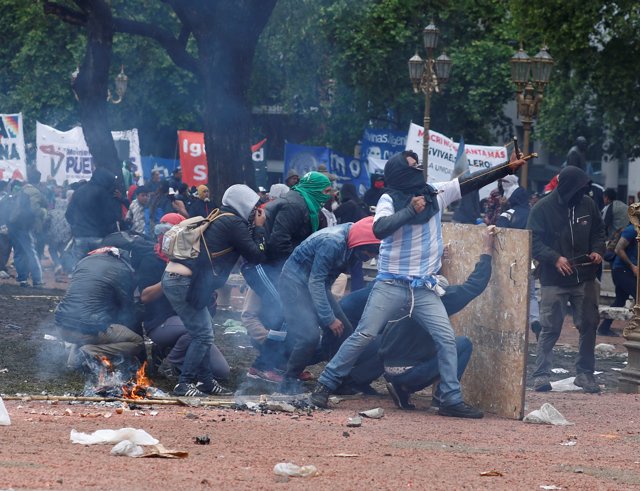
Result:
[189,285]
[568,242]
[311,311]
[408,221]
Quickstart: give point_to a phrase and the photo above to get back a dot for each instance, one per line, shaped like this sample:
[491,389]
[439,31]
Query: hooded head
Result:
[166,222]
[348,192]
[278,190]
[241,198]
[362,239]
[573,184]
[104,178]
[399,175]
[312,187]
[518,198]
[292,178]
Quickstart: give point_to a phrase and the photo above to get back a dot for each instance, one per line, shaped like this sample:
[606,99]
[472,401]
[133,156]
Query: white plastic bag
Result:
[5,420]
[547,415]
[292,470]
[128,449]
[139,437]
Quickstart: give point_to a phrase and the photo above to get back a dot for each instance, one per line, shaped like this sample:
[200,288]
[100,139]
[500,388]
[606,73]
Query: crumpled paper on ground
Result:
[547,415]
[138,437]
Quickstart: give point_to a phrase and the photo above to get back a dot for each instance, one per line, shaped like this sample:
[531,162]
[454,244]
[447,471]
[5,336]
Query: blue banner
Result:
[164,166]
[350,169]
[303,158]
[381,144]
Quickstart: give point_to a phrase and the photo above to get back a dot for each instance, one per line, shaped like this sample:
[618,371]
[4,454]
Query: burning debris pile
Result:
[108,378]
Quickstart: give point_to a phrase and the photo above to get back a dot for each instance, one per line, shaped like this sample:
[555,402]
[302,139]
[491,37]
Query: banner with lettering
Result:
[193,157]
[442,155]
[64,155]
[350,169]
[164,166]
[304,158]
[13,162]
[378,145]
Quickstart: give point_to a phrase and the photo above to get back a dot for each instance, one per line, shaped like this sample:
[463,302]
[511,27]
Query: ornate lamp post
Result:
[630,375]
[530,75]
[426,76]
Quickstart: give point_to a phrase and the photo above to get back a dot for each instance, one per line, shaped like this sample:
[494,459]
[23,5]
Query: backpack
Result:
[182,241]
[610,246]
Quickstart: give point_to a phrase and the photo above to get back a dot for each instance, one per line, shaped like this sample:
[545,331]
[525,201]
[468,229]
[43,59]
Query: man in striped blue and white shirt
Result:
[408,220]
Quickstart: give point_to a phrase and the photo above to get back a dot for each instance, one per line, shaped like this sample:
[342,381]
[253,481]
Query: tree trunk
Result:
[227,34]
[91,87]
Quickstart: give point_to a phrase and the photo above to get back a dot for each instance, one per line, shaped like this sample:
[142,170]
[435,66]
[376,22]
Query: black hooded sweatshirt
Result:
[566,223]
[518,213]
[93,210]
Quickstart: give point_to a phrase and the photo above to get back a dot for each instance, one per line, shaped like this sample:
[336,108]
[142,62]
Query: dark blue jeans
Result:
[625,283]
[196,366]
[427,372]
[25,257]
[82,246]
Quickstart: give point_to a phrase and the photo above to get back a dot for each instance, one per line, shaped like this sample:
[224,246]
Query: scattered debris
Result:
[292,470]
[139,437]
[335,399]
[565,385]
[559,370]
[233,326]
[569,443]
[605,348]
[354,422]
[4,370]
[202,440]
[160,451]
[547,414]
[127,448]
[376,413]
[492,473]
[550,487]
[346,455]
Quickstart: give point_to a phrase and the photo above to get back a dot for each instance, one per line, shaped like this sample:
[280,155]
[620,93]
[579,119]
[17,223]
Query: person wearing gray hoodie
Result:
[190,285]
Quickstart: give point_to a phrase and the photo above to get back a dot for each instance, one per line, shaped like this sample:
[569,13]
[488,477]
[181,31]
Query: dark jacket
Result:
[561,230]
[231,233]
[352,208]
[288,224]
[407,344]
[518,213]
[93,210]
[100,294]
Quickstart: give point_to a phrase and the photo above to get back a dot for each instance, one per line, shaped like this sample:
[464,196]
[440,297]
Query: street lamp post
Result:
[428,75]
[530,76]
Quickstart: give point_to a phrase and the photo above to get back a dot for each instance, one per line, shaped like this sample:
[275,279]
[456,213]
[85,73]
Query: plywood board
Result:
[496,321]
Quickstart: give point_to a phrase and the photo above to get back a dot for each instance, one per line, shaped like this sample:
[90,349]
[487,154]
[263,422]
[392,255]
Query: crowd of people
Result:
[291,244]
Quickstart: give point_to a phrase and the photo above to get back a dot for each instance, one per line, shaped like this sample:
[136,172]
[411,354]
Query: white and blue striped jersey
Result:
[415,250]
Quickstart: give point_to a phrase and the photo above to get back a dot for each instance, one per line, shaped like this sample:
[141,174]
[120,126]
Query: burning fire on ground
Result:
[110,381]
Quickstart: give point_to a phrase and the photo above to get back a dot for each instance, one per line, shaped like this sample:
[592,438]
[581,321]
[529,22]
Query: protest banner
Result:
[378,145]
[304,158]
[13,162]
[350,169]
[64,155]
[164,166]
[193,157]
[442,156]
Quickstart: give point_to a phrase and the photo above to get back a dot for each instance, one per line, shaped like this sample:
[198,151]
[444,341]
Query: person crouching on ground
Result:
[305,288]
[189,285]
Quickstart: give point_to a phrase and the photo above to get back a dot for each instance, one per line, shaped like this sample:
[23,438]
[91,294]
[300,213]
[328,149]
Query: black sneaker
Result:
[187,390]
[213,388]
[320,396]
[168,370]
[399,396]
[460,410]
[587,382]
[542,384]
[24,284]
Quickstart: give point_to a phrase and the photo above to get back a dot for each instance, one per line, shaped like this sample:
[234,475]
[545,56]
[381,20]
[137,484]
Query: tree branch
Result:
[65,13]
[174,47]
[183,37]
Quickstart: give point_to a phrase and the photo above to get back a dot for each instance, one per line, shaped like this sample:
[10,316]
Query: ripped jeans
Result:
[390,301]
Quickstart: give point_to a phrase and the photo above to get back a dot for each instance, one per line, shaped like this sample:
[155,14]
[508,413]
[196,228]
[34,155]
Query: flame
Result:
[136,389]
[106,368]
